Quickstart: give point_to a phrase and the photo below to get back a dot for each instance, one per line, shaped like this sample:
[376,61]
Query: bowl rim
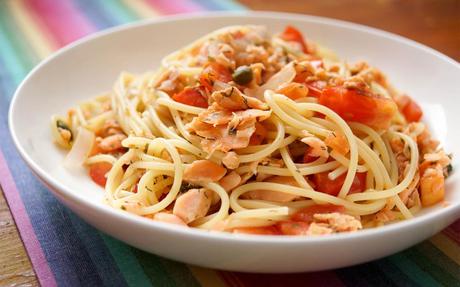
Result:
[70,195]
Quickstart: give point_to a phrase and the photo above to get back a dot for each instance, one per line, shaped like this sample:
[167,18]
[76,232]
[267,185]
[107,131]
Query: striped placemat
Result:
[65,251]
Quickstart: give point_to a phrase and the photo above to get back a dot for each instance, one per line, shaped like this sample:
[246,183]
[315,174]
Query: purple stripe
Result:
[36,255]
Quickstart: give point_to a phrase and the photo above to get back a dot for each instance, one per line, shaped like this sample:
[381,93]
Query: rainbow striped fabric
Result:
[65,251]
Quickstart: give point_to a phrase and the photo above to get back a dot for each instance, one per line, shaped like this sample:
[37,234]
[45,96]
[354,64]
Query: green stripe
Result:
[412,270]
[126,261]
[8,51]
[154,269]
[25,53]
[392,272]
[434,262]
[181,274]
[119,11]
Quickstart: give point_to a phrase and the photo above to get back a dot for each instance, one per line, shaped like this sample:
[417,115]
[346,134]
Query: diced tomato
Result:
[412,111]
[359,106]
[192,97]
[293,227]
[306,214]
[332,187]
[98,171]
[213,72]
[135,189]
[423,166]
[259,135]
[291,34]
[308,158]
[261,230]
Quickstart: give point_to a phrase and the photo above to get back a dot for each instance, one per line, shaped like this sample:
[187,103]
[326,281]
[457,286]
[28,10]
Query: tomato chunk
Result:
[306,214]
[259,135]
[332,187]
[293,227]
[98,171]
[412,111]
[291,34]
[307,158]
[359,106]
[214,72]
[192,97]
[260,230]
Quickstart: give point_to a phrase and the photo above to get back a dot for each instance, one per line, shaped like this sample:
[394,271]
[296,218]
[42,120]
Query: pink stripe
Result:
[175,7]
[61,19]
[36,255]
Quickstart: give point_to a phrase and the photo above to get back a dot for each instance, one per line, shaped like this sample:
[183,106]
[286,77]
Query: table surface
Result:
[435,23]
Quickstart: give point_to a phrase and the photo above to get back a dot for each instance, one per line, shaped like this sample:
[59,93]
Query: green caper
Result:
[242,75]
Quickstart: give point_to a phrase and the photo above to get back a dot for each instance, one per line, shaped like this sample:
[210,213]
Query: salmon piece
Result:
[270,195]
[294,91]
[222,117]
[233,99]
[319,229]
[112,143]
[226,140]
[432,185]
[339,222]
[337,142]
[231,160]
[230,181]
[193,204]
[168,218]
[204,171]
[317,147]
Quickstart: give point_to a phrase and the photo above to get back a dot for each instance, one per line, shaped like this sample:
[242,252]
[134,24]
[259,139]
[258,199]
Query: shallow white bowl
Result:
[91,65]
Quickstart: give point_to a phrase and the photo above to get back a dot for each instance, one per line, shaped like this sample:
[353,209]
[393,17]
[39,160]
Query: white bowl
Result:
[91,65]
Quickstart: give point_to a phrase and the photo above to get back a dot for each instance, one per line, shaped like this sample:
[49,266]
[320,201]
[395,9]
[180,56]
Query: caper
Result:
[242,75]
[62,125]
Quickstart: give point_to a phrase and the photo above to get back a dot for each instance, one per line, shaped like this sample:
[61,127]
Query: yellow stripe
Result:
[207,277]
[39,40]
[142,9]
[447,246]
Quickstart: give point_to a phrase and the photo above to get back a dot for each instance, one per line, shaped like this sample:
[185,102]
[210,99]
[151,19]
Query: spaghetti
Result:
[242,131]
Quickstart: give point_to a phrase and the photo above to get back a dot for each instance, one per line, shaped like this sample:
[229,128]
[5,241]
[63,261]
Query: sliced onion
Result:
[81,148]
[284,76]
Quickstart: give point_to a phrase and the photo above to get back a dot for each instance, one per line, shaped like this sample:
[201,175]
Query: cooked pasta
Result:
[247,132]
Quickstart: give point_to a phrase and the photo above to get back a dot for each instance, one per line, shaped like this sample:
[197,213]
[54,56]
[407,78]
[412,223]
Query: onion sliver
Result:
[80,149]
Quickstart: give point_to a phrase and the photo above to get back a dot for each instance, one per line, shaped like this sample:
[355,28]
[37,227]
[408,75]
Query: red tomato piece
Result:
[306,214]
[293,227]
[332,187]
[308,158]
[259,135]
[315,88]
[98,171]
[412,111]
[192,97]
[261,230]
[291,34]
[359,106]
[213,72]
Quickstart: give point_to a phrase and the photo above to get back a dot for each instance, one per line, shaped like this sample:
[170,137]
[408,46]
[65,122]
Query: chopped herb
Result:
[146,148]
[123,207]
[242,75]
[232,131]
[211,59]
[450,168]
[186,187]
[148,188]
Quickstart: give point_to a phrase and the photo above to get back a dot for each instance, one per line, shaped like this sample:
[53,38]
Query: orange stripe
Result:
[447,246]
[207,277]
